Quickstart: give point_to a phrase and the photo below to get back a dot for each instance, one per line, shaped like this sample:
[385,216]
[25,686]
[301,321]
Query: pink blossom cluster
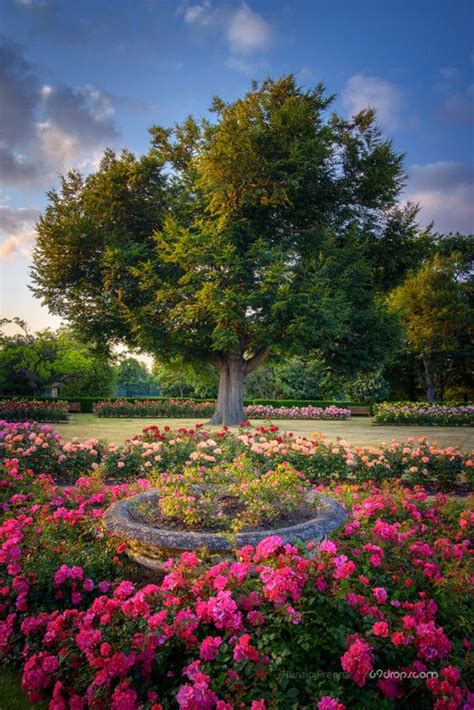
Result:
[388,593]
[267,411]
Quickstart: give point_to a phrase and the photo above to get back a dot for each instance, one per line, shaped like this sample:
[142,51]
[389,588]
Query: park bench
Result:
[74,407]
[361,411]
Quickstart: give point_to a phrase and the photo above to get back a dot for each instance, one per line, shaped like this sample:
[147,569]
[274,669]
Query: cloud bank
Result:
[445,192]
[44,129]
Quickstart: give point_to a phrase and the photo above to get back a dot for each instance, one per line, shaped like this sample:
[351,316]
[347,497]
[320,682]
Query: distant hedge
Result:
[33,410]
[87,403]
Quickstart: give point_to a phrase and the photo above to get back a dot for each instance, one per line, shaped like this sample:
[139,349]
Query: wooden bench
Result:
[360,411]
[74,407]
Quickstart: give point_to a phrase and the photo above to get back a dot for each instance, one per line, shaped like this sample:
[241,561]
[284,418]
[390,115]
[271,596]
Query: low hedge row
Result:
[18,411]
[424,414]
[87,403]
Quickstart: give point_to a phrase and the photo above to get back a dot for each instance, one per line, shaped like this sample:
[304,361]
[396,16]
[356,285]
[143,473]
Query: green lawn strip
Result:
[358,431]
[12,696]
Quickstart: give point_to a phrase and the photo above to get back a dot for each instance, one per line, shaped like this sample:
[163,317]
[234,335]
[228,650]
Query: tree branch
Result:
[253,362]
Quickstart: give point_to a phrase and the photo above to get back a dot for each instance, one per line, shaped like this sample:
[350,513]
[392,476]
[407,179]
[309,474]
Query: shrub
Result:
[378,616]
[424,414]
[154,408]
[369,387]
[189,408]
[229,496]
[262,411]
[39,448]
[33,410]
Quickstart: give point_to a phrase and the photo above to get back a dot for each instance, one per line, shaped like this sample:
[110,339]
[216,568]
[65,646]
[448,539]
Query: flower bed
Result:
[19,411]
[169,408]
[379,616]
[189,408]
[424,414]
[415,461]
[265,411]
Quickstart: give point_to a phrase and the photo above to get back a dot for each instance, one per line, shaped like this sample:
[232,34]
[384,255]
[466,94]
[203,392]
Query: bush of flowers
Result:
[228,497]
[38,447]
[190,408]
[19,411]
[154,408]
[415,461]
[424,414]
[377,616]
[266,411]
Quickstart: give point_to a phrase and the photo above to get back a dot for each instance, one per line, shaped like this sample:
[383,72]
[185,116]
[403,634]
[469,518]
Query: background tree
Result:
[32,362]
[134,379]
[178,378]
[230,240]
[435,308]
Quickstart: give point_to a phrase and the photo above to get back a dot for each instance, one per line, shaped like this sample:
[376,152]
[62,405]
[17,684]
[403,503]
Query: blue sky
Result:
[78,76]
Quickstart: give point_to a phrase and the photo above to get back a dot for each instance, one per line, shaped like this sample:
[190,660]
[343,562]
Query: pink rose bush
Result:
[267,411]
[35,410]
[191,408]
[156,451]
[424,414]
[377,616]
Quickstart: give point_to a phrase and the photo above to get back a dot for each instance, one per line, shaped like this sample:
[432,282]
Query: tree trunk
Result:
[430,388]
[230,398]
[233,368]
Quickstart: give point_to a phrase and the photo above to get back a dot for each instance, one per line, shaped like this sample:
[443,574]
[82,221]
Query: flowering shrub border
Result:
[424,414]
[33,410]
[262,411]
[379,616]
[416,461]
[169,408]
[190,408]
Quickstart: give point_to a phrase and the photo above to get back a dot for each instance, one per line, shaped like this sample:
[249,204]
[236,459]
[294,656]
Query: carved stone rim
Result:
[119,519]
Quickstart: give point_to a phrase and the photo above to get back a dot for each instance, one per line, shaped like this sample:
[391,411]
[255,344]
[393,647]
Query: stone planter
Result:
[151,546]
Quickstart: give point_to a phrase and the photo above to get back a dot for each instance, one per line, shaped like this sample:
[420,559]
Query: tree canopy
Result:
[32,362]
[234,238]
[435,307]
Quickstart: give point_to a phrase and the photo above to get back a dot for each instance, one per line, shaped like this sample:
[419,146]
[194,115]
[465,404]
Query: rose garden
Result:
[236,550]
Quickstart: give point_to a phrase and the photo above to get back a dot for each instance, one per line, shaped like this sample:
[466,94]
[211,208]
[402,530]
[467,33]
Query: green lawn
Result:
[358,430]
[11,694]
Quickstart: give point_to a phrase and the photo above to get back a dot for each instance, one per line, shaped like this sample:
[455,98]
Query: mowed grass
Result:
[357,431]
[11,694]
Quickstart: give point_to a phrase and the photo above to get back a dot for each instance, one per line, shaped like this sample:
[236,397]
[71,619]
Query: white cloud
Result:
[362,91]
[445,192]
[47,128]
[248,32]
[17,231]
[199,14]
[245,32]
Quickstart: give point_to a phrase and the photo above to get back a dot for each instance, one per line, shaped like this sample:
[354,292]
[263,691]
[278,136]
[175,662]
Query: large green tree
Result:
[231,239]
[435,307]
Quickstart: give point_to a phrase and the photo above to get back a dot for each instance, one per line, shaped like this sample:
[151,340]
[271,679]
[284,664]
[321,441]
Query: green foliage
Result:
[434,305]
[132,372]
[244,236]
[178,377]
[29,363]
[369,387]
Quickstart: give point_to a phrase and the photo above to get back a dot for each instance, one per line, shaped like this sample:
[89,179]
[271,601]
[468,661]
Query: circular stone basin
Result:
[151,546]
